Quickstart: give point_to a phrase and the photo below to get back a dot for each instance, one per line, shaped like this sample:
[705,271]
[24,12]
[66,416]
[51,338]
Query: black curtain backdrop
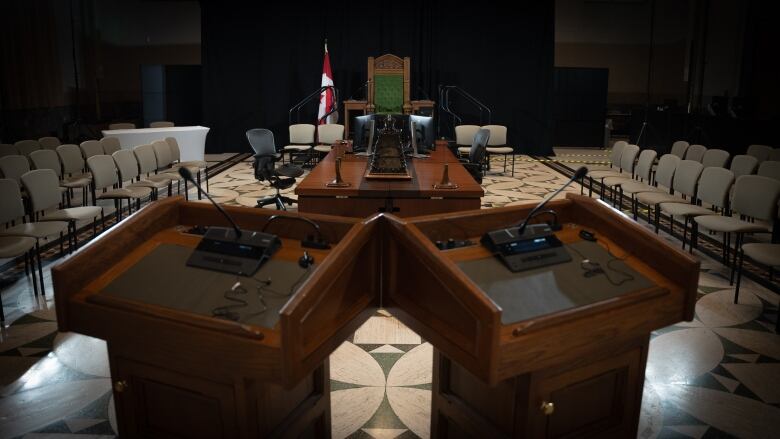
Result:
[260,59]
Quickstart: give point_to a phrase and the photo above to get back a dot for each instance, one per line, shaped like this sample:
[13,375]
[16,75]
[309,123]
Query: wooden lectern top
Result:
[499,324]
[130,286]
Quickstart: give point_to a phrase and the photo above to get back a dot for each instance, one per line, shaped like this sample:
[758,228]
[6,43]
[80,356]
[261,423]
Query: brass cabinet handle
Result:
[120,386]
[547,408]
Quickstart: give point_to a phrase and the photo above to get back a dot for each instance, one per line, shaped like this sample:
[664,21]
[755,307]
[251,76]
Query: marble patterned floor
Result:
[717,376]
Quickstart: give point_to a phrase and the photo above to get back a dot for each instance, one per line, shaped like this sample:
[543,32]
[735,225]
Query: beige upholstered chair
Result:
[12,210]
[743,165]
[73,163]
[769,169]
[764,253]
[14,166]
[715,158]
[161,124]
[695,153]
[714,188]
[147,166]
[25,147]
[327,135]
[91,148]
[7,149]
[685,181]
[664,175]
[679,147]
[110,145]
[196,167]
[13,247]
[49,142]
[162,152]
[641,172]
[121,126]
[48,159]
[106,180]
[127,165]
[754,197]
[497,145]
[761,152]
[614,167]
[301,141]
[42,186]
[464,137]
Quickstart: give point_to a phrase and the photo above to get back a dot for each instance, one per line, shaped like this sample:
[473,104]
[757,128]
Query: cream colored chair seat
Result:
[13,246]
[684,209]
[500,150]
[323,148]
[74,213]
[635,187]
[652,198]
[464,150]
[125,192]
[763,253]
[729,224]
[37,230]
[297,147]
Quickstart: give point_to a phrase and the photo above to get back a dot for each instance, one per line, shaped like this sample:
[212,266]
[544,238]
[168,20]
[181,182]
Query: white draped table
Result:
[192,140]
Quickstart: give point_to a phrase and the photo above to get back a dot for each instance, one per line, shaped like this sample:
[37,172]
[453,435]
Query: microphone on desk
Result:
[523,248]
[242,254]
[187,175]
[578,174]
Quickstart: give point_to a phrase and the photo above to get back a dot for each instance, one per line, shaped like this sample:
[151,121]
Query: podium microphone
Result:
[522,247]
[578,174]
[230,250]
[187,175]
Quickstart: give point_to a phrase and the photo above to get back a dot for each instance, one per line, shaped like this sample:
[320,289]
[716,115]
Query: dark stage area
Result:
[259,59]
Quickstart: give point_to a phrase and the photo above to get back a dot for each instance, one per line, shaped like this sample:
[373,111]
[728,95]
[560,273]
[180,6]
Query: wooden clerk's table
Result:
[543,353]
[403,198]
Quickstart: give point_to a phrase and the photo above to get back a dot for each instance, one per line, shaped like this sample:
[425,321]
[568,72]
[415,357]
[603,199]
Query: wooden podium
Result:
[179,371]
[548,352]
[558,351]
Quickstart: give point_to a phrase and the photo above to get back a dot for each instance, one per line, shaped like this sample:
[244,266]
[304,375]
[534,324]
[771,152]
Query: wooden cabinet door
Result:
[155,402]
[599,399]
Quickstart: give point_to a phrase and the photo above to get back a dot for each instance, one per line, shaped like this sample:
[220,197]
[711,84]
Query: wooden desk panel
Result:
[402,197]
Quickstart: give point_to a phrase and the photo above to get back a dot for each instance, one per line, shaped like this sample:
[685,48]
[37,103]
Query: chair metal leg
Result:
[657,214]
[199,193]
[513,164]
[739,275]
[737,247]
[40,267]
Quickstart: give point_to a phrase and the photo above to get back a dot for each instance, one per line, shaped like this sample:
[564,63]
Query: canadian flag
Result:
[326,98]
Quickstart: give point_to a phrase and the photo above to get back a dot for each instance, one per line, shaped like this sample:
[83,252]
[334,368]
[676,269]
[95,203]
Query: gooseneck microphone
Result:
[578,174]
[187,175]
[523,248]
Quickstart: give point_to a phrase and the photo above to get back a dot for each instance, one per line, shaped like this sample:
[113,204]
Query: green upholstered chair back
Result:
[388,93]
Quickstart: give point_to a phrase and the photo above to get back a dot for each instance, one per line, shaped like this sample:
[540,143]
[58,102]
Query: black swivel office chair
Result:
[262,142]
[476,161]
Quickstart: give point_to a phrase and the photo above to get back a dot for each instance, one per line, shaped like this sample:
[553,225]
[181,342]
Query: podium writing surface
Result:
[176,369]
[570,359]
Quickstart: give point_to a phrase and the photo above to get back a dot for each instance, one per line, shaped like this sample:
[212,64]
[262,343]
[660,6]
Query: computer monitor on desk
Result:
[423,132]
[364,133]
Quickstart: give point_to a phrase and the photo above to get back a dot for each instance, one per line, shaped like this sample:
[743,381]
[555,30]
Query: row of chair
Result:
[684,150]
[497,143]
[305,138]
[106,145]
[683,187]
